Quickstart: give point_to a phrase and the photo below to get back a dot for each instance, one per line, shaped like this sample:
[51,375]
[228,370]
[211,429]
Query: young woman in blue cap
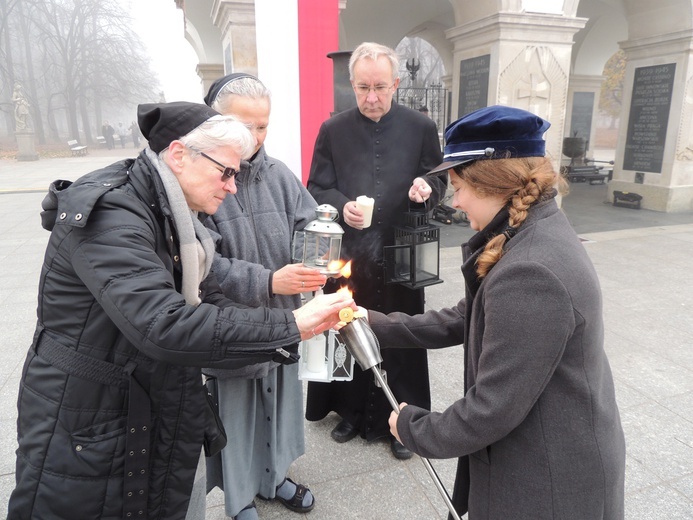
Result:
[537,429]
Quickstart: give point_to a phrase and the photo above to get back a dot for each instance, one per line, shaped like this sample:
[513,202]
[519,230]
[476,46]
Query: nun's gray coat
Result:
[537,429]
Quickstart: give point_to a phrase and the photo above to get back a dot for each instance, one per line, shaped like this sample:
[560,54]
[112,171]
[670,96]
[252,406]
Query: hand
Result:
[297,278]
[321,313]
[392,421]
[353,215]
[420,190]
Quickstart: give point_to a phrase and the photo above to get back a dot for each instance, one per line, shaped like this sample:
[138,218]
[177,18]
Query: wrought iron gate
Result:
[436,99]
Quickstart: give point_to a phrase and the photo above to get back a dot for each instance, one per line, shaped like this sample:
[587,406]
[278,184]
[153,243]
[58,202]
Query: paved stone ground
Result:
[643,259]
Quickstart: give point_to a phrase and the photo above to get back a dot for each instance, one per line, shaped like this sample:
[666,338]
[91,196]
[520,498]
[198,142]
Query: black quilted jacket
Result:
[109,295]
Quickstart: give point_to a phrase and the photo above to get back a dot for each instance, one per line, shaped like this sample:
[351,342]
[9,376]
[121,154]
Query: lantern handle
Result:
[410,202]
[326,212]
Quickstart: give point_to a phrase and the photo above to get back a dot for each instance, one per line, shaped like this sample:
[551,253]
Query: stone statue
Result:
[21,109]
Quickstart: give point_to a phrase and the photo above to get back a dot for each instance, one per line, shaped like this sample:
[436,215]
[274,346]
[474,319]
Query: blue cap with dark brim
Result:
[495,132]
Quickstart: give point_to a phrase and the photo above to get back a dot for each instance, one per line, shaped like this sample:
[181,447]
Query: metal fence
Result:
[436,99]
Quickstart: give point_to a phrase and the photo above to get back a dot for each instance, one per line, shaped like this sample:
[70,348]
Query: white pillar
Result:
[654,154]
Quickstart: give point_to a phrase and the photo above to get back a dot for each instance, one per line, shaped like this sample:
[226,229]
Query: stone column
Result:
[236,22]
[209,72]
[654,154]
[25,146]
[516,59]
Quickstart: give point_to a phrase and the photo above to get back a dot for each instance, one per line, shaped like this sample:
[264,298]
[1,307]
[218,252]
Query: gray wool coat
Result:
[537,428]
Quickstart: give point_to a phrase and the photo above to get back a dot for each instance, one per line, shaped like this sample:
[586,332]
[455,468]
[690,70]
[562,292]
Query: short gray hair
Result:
[373,51]
[220,132]
[246,87]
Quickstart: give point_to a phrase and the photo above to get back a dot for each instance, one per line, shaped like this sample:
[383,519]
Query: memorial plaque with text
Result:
[649,116]
[581,115]
[473,84]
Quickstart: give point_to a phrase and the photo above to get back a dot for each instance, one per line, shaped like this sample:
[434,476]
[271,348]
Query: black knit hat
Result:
[162,123]
[219,84]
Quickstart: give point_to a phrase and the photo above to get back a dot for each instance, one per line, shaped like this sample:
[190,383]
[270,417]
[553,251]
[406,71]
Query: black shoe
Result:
[344,431]
[399,451]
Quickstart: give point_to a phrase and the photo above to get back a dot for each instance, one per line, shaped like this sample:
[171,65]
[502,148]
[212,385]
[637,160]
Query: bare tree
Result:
[75,58]
[7,74]
[25,22]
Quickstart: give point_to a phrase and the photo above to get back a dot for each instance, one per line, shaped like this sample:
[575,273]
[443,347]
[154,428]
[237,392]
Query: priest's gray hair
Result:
[373,51]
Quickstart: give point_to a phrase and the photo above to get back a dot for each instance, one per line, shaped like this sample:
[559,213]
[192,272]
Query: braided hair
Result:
[520,182]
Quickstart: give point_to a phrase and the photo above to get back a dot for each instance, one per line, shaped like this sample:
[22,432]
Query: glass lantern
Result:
[319,244]
[325,358]
[414,260]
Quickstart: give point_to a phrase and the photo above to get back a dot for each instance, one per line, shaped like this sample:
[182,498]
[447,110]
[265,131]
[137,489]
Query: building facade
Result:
[546,56]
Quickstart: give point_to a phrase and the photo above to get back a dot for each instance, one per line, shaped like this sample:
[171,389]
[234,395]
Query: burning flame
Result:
[344,290]
[335,266]
[346,270]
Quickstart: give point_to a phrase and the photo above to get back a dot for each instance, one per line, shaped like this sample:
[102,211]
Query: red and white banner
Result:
[293,39]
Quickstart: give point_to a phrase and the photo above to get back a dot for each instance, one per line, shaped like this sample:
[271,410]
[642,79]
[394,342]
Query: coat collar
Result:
[255,169]
[386,119]
[472,249]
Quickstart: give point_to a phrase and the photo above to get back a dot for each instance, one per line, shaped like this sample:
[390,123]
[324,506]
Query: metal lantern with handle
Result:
[324,358]
[319,244]
[414,260]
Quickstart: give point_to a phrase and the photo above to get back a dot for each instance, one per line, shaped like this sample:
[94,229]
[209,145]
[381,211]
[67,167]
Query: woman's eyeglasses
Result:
[228,172]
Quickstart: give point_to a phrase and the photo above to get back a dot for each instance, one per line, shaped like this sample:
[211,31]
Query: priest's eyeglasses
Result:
[363,90]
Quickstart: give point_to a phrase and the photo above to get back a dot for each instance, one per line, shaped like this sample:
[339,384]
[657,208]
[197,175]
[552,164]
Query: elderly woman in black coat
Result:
[112,411]
[536,429]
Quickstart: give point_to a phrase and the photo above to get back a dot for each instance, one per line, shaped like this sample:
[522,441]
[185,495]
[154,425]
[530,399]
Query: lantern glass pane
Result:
[335,249]
[325,358]
[320,250]
[414,259]
[403,267]
[426,261]
[397,261]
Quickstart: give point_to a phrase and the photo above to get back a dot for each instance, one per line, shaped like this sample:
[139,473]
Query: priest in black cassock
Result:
[381,150]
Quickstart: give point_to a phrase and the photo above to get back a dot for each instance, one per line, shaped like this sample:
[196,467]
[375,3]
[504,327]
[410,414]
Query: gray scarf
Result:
[196,244]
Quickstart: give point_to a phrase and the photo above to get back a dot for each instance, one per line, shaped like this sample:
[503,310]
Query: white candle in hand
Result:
[365,204]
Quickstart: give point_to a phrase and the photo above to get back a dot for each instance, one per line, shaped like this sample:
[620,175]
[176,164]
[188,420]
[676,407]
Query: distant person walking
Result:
[135,133]
[123,134]
[108,131]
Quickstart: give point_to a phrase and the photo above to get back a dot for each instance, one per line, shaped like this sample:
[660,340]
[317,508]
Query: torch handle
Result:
[383,384]
[427,463]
